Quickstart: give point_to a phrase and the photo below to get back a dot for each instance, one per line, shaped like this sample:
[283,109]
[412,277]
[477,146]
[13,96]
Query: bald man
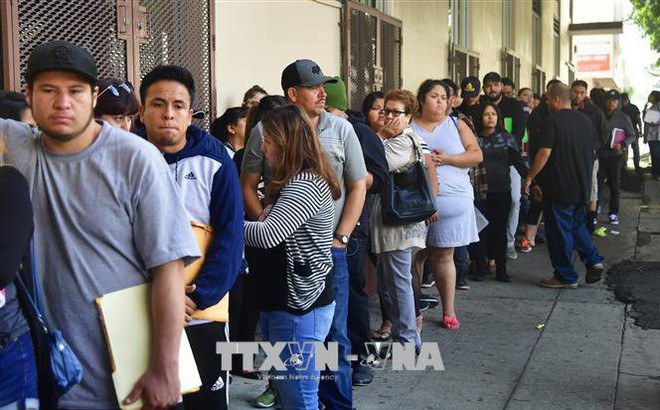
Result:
[562,168]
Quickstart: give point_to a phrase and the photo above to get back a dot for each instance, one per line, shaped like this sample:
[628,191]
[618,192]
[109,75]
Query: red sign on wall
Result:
[593,62]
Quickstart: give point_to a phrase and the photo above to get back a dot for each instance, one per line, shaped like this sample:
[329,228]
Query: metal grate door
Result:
[362,56]
[90,24]
[179,33]
[390,55]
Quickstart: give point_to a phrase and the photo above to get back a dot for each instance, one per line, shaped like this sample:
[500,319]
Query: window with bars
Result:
[465,63]
[511,66]
[538,80]
[371,51]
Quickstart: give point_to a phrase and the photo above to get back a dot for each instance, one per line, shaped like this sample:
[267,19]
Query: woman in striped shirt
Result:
[295,232]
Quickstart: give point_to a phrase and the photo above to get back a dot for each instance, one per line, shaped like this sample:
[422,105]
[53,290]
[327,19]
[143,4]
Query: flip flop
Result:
[381,335]
[450,323]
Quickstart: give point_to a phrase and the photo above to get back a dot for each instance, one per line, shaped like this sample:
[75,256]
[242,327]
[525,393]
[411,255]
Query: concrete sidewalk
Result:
[588,355]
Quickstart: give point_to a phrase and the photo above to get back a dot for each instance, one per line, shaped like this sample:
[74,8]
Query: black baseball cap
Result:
[470,87]
[64,56]
[304,73]
[612,95]
[492,76]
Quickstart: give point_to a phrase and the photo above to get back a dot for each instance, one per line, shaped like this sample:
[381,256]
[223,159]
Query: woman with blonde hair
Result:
[295,234]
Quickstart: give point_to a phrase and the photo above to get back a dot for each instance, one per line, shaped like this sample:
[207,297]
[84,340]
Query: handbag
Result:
[407,198]
[60,364]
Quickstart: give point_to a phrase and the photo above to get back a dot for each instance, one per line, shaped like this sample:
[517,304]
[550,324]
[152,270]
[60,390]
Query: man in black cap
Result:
[508,87]
[470,107]
[620,133]
[108,216]
[514,121]
[302,82]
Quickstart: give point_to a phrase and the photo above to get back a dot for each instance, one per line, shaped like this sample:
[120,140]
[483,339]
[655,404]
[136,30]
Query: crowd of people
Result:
[282,206]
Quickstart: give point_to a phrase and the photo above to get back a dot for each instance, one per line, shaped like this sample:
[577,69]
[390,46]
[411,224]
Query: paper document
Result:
[126,320]
[652,117]
[618,136]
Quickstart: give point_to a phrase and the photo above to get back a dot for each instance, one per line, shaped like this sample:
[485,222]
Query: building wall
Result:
[486,34]
[425,36]
[255,40]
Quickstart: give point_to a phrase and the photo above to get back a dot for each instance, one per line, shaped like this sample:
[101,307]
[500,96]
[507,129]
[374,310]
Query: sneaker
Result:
[427,285]
[511,253]
[594,273]
[614,219]
[525,246]
[555,283]
[266,399]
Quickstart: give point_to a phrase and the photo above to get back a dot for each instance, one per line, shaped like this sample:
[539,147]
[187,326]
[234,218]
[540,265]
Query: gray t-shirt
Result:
[340,144]
[103,217]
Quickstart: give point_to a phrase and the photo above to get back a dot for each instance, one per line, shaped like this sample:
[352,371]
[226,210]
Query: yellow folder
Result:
[126,321]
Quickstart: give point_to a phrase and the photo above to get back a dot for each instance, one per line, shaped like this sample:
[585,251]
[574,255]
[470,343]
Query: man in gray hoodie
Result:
[610,155]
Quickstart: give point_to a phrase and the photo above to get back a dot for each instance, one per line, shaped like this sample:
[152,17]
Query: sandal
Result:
[381,335]
[450,323]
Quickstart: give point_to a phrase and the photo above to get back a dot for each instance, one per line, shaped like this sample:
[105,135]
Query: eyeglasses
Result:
[395,113]
[113,89]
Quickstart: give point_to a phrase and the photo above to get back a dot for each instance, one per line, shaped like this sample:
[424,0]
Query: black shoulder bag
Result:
[407,198]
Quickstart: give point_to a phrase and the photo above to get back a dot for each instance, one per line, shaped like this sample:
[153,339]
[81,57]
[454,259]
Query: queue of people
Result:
[282,206]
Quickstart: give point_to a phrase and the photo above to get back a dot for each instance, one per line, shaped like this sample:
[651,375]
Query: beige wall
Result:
[425,35]
[486,34]
[255,40]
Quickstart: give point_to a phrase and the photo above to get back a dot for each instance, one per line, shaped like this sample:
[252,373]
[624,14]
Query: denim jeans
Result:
[566,231]
[358,302]
[514,212]
[397,274]
[335,390]
[609,169]
[297,388]
[18,373]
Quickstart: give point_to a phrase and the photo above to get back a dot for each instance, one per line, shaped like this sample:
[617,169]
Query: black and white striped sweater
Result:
[302,218]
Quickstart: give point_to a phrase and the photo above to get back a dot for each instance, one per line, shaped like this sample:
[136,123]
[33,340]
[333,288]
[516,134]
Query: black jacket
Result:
[597,118]
[374,159]
[512,108]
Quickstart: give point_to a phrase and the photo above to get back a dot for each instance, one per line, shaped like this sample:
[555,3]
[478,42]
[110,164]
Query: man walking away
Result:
[562,167]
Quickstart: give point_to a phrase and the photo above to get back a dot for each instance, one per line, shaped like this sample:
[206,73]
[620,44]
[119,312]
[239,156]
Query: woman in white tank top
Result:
[454,150]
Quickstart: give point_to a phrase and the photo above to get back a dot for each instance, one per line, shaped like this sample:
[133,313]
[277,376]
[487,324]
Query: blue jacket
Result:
[212,196]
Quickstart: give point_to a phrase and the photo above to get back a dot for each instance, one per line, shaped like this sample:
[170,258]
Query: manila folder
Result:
[126,320]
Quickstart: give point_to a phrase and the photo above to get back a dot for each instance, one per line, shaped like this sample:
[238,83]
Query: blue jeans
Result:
[297,388]
[397,274]
[565,231]
[18,373]
[335,390]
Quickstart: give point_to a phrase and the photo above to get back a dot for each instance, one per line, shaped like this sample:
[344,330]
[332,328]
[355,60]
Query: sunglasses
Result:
[113,89]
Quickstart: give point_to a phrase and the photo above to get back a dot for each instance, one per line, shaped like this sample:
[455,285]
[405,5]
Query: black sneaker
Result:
[594,273]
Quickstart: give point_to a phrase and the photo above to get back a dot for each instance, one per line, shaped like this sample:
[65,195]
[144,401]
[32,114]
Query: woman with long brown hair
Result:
[295,231]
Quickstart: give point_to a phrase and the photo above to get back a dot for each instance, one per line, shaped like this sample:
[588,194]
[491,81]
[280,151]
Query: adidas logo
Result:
[191,176]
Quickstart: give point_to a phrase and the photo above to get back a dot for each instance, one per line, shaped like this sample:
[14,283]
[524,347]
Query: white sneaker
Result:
[614,219]
[511,253]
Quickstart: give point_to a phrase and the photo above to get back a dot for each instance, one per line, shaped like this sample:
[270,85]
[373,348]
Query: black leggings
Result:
[492,240]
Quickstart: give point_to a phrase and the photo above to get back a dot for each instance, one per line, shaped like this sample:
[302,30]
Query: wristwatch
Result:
[341,238]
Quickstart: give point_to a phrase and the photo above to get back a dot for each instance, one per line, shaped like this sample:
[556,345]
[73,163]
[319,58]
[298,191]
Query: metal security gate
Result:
[126,37]
[371,52]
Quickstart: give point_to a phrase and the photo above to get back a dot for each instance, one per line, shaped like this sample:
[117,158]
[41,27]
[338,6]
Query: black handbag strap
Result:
[418,157]
[33,298]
